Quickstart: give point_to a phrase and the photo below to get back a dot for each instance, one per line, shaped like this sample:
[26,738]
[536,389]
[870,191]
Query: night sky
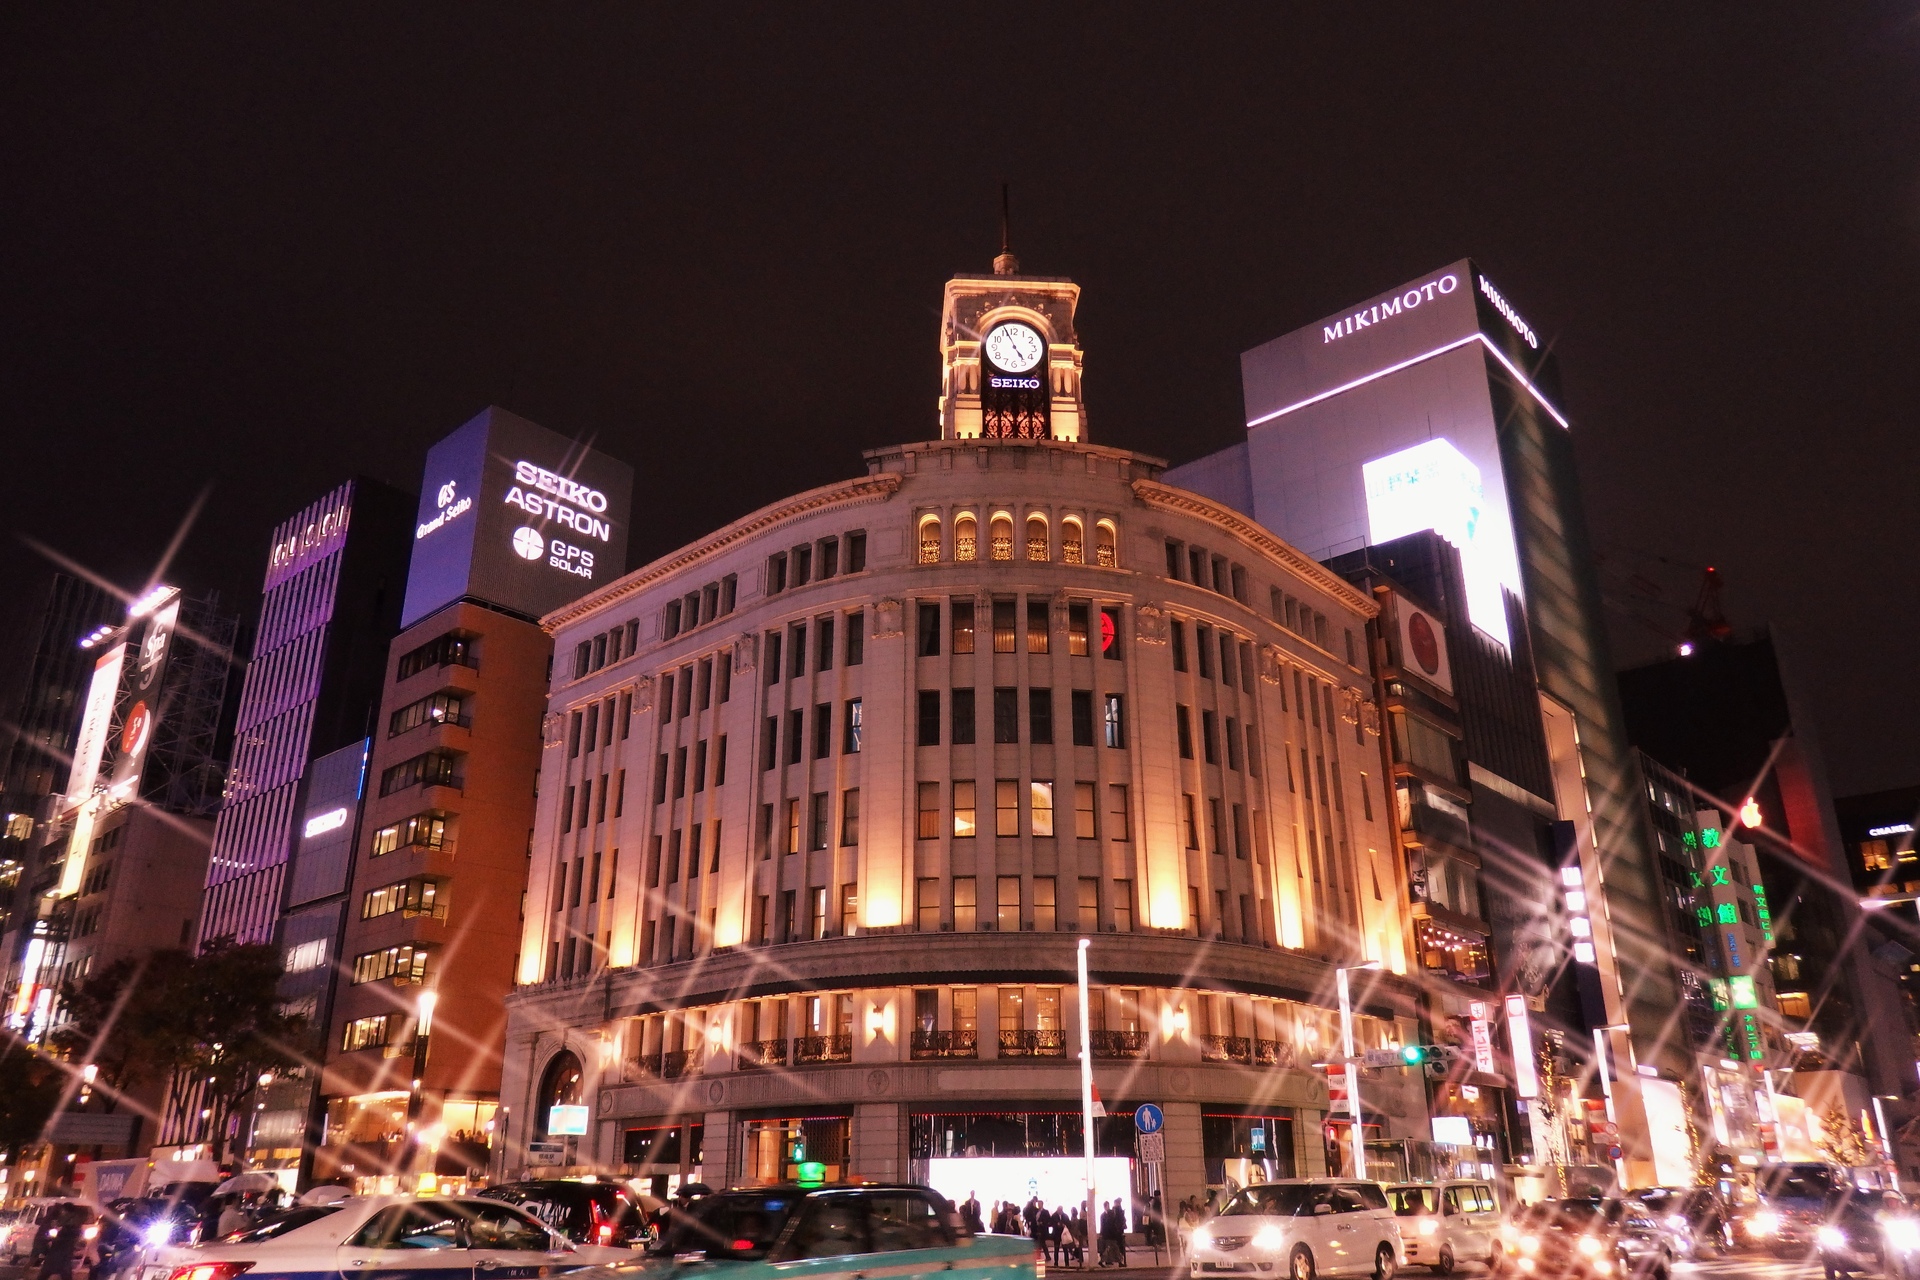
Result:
[258,250]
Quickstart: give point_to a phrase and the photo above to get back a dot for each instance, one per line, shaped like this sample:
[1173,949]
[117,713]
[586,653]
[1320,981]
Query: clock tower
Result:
[1009,358]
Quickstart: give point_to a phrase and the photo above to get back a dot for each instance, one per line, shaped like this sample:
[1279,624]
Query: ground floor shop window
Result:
[665,1155]
[795,1149]
[1244,1149]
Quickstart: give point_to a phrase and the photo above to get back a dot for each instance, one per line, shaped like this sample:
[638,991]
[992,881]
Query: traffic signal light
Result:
[1413,1055]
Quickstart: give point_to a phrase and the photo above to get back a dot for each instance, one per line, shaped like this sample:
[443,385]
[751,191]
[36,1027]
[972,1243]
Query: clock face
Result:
[1015,348]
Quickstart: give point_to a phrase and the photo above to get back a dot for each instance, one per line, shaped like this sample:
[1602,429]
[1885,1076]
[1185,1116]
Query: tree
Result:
[124,1021]
[230,1014]
[29,1092]
[1841,1139]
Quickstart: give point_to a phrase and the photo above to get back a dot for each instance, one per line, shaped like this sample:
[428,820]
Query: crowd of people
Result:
[1060,1235]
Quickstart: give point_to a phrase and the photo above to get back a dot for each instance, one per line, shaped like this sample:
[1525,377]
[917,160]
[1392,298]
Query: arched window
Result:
[1036,537]
[930,540]
[966,536]
[1071,548]
[560,1086]
[1105,549]
[1001,529]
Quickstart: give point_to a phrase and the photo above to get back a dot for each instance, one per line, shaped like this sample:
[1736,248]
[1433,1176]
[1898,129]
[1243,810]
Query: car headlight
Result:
[1429,1226]
[1589,1246]
[1677,1222]
[1202,1238]
[1830,1238]
[1529,1244]
[1601,1267]
[1764,1223]
[1270,1238]
[158,1233]
[1902,1233]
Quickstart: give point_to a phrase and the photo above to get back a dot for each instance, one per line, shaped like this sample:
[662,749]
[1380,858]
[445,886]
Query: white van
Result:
[1446,1223]
[1301,1228]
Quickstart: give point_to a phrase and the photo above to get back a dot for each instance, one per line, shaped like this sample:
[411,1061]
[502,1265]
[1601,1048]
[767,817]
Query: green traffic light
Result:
[1413,1054]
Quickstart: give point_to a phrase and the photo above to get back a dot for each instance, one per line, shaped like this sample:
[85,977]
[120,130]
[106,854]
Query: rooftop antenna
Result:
[1004,263]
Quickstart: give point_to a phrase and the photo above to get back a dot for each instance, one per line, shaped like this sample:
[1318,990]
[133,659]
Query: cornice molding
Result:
[871,488]
[1168,497]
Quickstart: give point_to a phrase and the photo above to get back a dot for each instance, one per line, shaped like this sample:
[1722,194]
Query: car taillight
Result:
[210,1271]
[605,1234]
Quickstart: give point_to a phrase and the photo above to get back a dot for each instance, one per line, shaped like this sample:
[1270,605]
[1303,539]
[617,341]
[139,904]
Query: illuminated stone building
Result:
[828,796]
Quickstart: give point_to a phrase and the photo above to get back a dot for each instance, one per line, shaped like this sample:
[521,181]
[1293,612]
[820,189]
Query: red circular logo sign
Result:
[133,736]
[1426,645]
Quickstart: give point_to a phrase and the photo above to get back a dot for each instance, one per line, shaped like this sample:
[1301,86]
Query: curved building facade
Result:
[828,798]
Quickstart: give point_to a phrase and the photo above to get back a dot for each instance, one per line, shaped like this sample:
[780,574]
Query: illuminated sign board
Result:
[1526,1077]
[565,1120]
[320,824]
[140,694]
[91,745]
[1895,829]
[1433,485]
[1453,1131]
[1423,644]
[517,516]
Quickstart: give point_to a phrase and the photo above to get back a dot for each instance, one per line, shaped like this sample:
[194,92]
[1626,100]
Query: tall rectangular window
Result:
[1083,814]
[773,656]
[850,730]
[962,624]
[1203,639]
[1006,807]
[1227,650]
[928,799]
[823,641]
[1078,612]
[1183,730]
[1003,626]
[705,679]
[929,718]
[822,819]
[679,772]
[672,873]
[1123,906]
[1189,821]
[1117,811]
[1006,715]
[963,707]
[1040,716]
[796,734]
[1115,720]
[1088,906]
[1081,705]
[793,827]
[857,551]
[1006,908]
[700,766]
[1177,631]
[1239,831]
[1040,804]
[769,745]
[1214,842]
[1233,743]
[1110,646]
[850,817]
[1253,752]
[1366,798]
[926,905]
[849,909]
[856,637]
[798,651]
[817,913]
[929,629]
[1045,909]
[723,672]
[964,823]
[1038,626]
[966,906]
[1210,736]
[823,731]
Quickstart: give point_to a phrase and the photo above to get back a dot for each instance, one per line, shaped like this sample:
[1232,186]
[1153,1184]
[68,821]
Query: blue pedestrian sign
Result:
[1148,1118]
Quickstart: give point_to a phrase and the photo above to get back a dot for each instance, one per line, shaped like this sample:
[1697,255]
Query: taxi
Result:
[866,1232]
[387,1238]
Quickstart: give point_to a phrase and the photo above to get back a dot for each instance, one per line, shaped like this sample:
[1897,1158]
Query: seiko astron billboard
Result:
[517,516]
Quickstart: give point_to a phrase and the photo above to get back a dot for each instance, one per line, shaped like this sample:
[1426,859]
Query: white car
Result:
[1447,1223]
[388,1238]
[1300,1228]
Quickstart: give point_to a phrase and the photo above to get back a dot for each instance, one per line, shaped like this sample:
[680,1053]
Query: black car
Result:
[596,1213]
[1869,1232]
[1694,1215]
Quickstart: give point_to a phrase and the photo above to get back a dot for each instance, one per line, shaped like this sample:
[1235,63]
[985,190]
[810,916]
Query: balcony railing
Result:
[1118,1044]
[678,1063]
[946,1044]
[1273,1053]
[823,1049]
[1226,1049]
[755,1054]
[1033,1044]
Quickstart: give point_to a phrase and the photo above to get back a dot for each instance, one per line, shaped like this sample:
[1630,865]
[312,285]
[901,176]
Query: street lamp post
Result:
[1359,1137]
[422,1028]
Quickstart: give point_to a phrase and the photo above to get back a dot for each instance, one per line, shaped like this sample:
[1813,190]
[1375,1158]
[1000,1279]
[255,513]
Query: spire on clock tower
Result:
[1010,360]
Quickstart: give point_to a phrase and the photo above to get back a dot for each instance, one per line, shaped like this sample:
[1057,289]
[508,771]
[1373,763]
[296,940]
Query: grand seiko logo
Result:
[1382,311]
